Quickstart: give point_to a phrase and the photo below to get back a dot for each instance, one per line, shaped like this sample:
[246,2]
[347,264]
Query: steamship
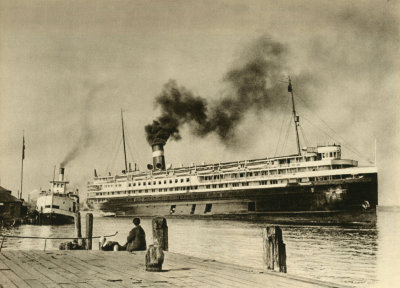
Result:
[57,206]
[316,185]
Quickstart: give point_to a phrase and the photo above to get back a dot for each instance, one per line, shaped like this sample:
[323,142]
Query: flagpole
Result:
[22,163]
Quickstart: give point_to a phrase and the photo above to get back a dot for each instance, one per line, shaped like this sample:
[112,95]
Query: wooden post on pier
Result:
[160,232]
[78,230]
[89,230]
[274,249]
[154,258]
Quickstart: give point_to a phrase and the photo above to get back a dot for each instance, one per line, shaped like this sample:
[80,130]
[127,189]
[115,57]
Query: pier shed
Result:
[10,206]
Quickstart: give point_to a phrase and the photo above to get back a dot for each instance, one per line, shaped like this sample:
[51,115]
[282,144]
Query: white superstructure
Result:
[315,164]
[57,200]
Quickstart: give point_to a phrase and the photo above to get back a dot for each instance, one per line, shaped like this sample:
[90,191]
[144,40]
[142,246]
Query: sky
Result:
[67,68]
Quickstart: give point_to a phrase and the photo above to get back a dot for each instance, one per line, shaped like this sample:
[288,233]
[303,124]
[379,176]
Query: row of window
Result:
[331,154]
[112,185]
[148,183]
[228,176]
[264,173]
[265,182]
[226,185]
[186,188]
[54,206]
[144,183]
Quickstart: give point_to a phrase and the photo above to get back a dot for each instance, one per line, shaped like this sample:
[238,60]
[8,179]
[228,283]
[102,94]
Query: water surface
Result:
[359,257]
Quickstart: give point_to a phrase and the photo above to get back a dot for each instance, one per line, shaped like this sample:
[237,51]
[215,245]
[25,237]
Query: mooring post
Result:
[89,230]
[274,249]
[155,255]
[160,232]
[78,230]
[154,258]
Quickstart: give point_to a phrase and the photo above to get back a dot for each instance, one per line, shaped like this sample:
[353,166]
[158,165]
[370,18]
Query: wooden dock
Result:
[35,268]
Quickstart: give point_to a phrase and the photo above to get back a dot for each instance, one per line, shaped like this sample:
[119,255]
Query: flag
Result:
[290,87]
[23,147]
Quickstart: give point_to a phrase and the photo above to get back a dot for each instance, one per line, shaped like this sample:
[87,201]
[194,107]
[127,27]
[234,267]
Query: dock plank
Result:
[115,262]
[93,272]
[44,268]
[5,281]
[16,265]
[23,268]
[34,283]
[15,279]
[222,272]
[3,266]
[93,269]
[251,276]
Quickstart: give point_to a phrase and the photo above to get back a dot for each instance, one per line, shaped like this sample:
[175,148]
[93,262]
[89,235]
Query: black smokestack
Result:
[61,174]
[158,156]
[252,86]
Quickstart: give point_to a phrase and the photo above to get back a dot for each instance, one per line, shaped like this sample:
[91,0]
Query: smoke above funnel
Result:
[178,106]
[251,85]
[85,130]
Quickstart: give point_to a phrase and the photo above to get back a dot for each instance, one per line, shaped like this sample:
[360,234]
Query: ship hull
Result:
[56,209]
[334,201]
[55,219]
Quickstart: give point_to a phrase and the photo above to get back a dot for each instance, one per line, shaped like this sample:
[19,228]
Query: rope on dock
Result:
[58,238]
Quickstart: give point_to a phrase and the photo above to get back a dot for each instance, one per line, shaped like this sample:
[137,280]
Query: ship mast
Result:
[22,163]
[295,117]
[123,140]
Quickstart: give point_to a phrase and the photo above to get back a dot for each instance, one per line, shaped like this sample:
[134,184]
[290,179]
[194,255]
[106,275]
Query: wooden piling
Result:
[89,230]
[78,230]
[160,232]
[154,258]
[274,249]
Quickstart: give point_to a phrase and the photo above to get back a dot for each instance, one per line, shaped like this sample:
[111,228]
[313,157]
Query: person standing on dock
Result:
[136,240]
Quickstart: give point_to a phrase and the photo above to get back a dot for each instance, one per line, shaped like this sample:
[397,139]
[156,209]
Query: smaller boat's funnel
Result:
[61,174]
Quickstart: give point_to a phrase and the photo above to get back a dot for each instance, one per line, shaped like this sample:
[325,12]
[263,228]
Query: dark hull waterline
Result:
[55,219]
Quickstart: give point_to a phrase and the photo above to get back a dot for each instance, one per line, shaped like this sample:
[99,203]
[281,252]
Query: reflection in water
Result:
[350,256]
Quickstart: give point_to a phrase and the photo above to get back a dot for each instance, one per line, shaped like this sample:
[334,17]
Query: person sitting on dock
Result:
[136,240]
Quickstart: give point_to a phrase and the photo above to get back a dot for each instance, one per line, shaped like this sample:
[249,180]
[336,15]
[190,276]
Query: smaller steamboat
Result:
[57,206]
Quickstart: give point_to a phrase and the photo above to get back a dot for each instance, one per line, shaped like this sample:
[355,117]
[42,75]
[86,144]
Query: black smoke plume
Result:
[178,106]
[86,131]
[252,86]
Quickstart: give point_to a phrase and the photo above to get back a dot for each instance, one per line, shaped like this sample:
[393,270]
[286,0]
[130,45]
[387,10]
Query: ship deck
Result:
[123,269]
